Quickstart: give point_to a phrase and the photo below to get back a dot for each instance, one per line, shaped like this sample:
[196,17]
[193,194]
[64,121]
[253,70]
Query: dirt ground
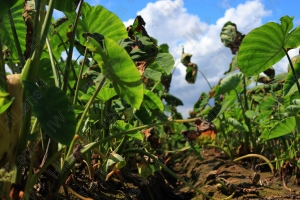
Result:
[215,176]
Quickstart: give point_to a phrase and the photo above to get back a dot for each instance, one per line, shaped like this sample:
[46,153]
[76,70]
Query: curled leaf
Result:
[152,138]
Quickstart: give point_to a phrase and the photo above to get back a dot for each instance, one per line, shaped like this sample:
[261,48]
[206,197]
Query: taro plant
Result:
[61,115]
[254,112]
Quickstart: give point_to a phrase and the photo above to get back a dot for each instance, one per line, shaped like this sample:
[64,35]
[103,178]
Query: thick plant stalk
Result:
[10,125]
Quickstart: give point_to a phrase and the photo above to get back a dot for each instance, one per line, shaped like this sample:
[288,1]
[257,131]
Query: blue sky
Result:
[171,22]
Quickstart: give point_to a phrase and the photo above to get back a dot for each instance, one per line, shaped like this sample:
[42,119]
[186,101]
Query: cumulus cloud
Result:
[169,22]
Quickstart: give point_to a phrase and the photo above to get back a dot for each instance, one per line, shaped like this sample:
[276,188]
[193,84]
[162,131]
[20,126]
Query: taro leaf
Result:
[126,44]
[99,20]
[296,101]
[143,115]
[5,5]
[228,101]
[6,31]
[290,79]
[5,101]
[116,159]
[293,89]
[59,36]
[229,83]
[230,37]
[213,113]
[263,47]
[191,73]
[251,114]
[152,74]
[45,72]
[293,108]
[228,33]
[233,65]
[166,61]
[163,48]
[65,5]
[138,27]
[172,100]
[236,124]
[106,94]
[282,128]
[120,69]
[263,115]
[202,101]
[150,96]
[53,111]
[123,126]
[186,58]
[267,104]
[145,169]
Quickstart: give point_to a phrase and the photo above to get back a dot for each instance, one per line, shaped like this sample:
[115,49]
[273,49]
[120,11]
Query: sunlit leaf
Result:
[282,128]
[263,47]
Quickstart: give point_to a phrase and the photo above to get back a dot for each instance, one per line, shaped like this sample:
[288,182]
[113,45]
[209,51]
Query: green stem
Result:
[247,120]
[52,63]
[36,25]
[72,39]
[79,77]
[205,78]
[29,74]
[293,70]
[79,124]
[16,39]
[94,144]
[258,156]
[155,86]
[166,169]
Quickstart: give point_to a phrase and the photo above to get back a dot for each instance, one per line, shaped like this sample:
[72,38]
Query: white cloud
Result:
[172,24]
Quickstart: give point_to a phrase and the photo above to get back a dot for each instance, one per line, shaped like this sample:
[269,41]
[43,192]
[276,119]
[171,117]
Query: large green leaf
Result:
[120,69]
[233,65]
[152,74]
[53,110]
[106,93]
[229,83]
[172,100]
[228,101]
[282,128]
[166,61]
[97,19]
[6,31]
[290,79]
[235,123]
[150,96]
[202,101]
[265,46]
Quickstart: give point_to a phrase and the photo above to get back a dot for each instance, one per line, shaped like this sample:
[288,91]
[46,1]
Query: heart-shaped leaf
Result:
[282,128]
[229,83]
[97,19]
[265,46]
[120,69]
[53,110]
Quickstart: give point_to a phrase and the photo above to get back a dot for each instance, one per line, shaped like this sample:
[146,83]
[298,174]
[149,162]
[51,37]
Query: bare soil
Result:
[208,175]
